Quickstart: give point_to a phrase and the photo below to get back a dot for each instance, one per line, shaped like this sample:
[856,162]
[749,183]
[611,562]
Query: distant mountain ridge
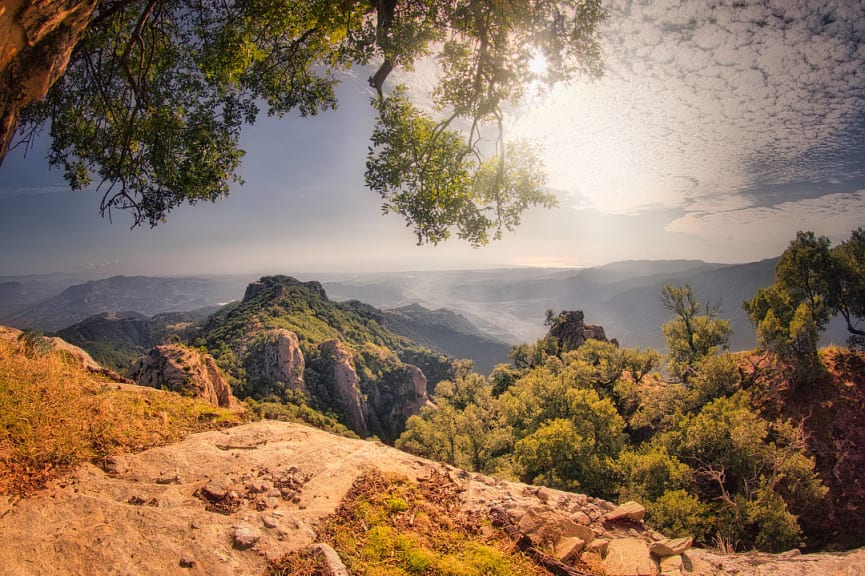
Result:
[145,295]
[505,305]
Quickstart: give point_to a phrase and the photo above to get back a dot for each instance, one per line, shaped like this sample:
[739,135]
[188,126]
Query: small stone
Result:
[270,522]
[333,565]
[544,494]
[260,485]
[664,548]
[187,561]
[628,511]
[598,546]
[217,489]
[672,566]
[568,548]
[271,502]
[169,479]
[791,553]
[246,537]
[581,518]
[194,524]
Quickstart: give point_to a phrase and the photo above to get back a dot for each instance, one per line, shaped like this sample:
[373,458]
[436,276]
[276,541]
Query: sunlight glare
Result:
[538,64]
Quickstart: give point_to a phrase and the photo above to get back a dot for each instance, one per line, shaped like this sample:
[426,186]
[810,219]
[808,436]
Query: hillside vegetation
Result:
[55,414]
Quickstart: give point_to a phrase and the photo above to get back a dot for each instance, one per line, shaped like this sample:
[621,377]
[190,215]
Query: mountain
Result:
[143,294]
[447,332]
[115,340]
[286,338]
[624,297]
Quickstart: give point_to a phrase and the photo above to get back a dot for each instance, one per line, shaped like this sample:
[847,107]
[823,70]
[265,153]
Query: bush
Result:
[678,514]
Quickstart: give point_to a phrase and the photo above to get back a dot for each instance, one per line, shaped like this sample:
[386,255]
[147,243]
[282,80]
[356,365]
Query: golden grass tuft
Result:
[54,414]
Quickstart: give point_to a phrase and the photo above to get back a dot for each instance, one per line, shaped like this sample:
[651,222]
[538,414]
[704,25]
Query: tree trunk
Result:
[36,40]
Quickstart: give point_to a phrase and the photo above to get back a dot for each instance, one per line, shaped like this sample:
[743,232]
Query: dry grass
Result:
[54,415]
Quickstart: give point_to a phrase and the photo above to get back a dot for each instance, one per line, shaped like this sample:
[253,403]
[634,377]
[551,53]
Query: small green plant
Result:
[389,526]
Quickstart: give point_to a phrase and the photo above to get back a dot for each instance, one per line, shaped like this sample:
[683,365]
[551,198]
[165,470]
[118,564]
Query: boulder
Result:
[629,557]
[675,547]
[632,511]
[672,566]
[185,371]
[571,332]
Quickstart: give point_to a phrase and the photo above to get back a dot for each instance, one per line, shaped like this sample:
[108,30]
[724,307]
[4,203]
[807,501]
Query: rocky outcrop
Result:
[36,41]
[571,332]
[340,384]
[224,502]
[380,407]
[275,363]
[185,371]
[400,393]
[278,285]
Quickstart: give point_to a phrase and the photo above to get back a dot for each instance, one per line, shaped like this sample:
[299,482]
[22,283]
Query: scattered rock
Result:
[568,548]
[217,489]
[246,536]
[664,548]
[187,561]
[629,557]
[628,511]
[598,546]
[672,566]
[270,522]
[333,565]
[581,518]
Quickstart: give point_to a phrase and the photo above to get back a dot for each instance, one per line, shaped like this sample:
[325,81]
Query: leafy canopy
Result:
[156,94]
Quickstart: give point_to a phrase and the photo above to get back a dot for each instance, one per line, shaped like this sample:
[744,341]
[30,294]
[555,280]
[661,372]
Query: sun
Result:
[538,64]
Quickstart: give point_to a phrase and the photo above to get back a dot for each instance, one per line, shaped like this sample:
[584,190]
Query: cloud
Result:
[706,104]
[763,231]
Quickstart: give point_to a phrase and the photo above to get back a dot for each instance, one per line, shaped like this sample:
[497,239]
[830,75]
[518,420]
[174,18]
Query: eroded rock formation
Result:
[341,385]
[185,371]
[275,362]
[401,393]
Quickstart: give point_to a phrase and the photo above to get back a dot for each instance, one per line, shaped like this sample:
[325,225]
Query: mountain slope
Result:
[117,339]
[447,332]
[287,338]
[227,502]
[142,294]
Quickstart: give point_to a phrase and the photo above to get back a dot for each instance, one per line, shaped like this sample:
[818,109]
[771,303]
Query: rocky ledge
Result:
[223,502]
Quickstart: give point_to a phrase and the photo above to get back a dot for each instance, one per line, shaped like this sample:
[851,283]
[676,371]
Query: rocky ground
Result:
[224,502]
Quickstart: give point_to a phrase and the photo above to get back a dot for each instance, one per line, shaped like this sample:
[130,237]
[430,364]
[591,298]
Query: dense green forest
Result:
[683,434]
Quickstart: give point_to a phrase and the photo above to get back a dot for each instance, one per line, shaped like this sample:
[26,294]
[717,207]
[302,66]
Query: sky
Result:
[718,130]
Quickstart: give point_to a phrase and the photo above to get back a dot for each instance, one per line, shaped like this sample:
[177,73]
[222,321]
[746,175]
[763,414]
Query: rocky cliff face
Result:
[36,41]
[340,384]
[185,371]
[572,332]
[275,363]
[401,394]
